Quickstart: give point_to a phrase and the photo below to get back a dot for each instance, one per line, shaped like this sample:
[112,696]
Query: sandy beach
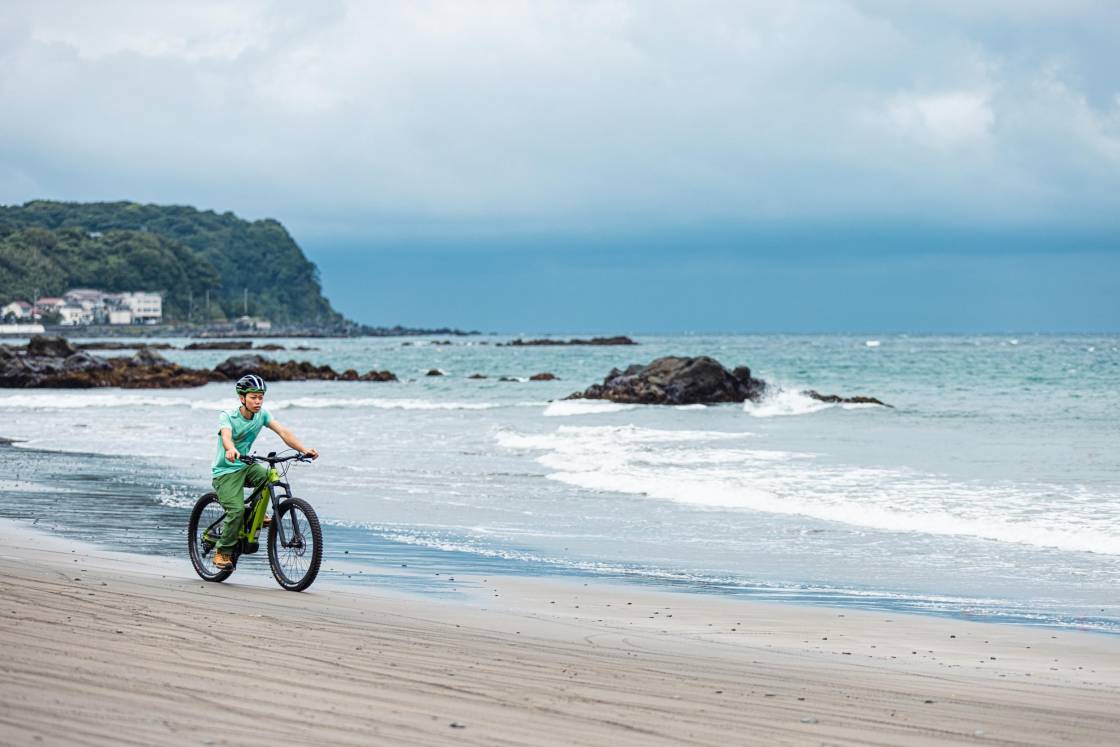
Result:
[109,648]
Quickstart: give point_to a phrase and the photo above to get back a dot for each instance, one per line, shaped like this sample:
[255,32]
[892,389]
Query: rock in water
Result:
[237,366]
[616,340]
[42,346]
[149,357]
[221,345]
[837,399]
[675,380]
[54,362]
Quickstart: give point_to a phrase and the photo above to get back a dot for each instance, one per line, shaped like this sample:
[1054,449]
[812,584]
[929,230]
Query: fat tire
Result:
[316,551]
[192,545]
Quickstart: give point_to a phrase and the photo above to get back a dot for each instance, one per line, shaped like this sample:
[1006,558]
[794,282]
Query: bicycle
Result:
[295,539]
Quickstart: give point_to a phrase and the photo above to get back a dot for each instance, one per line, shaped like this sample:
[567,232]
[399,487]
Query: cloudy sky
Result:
[625,165]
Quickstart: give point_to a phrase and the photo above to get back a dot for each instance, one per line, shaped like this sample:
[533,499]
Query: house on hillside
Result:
[73,315]
[252,323]
[47,305]
[16,310]
[92,303]
[146,308]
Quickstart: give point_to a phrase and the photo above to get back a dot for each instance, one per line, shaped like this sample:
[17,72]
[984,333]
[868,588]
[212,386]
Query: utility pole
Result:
[245,302]
[206,316]
[190,308]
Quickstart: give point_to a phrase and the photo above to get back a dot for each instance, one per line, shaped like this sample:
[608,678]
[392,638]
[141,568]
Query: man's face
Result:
[253,401]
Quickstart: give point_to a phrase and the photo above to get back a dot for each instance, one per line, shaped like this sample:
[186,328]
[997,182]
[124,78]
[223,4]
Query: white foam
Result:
[69,401]
[784,402]
[588,436]
[872,343]
[569,407]
[379,403]
[725,487]
[73,401]
[679,466]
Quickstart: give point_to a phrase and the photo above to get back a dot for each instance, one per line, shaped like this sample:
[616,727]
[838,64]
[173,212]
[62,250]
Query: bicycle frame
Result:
[256,508]
[254,515]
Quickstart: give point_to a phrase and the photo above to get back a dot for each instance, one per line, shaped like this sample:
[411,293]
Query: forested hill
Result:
[181,251]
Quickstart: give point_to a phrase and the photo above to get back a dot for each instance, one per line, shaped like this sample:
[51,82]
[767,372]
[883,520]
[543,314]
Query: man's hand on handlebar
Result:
[232,455]
[313,453]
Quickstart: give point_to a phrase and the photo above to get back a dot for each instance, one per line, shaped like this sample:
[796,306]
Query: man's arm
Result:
[290,439]
[227,441]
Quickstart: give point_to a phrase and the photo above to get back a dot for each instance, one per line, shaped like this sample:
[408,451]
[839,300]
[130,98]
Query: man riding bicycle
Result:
[237,430]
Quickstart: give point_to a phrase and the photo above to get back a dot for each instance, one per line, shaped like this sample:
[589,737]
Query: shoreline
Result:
[111,647]
[367,560]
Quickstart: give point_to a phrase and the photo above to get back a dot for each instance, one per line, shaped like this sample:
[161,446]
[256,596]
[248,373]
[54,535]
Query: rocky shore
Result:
[55,362]
[677,380]
[543,342]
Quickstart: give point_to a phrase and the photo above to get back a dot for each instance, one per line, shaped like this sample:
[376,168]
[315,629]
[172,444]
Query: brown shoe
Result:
[267,522]
[223,561]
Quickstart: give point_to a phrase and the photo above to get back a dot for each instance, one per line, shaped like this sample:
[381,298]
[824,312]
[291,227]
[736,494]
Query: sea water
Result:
[990,489]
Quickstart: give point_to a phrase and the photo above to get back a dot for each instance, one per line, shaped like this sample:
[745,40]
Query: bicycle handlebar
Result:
[272,458]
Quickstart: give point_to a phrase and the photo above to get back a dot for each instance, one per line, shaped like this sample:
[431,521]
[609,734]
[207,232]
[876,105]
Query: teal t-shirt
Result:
[244,433]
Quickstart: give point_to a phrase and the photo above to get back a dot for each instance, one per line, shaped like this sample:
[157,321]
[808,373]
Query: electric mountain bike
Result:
[295,540]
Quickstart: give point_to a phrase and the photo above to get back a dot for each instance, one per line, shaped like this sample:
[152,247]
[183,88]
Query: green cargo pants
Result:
[231,494]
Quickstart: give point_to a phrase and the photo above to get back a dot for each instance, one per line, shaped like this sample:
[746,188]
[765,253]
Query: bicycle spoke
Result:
[295,558]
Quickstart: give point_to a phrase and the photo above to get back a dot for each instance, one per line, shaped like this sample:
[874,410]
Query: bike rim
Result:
[212,514]
[294,561]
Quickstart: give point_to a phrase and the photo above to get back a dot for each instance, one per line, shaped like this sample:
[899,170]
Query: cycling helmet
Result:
[251,383]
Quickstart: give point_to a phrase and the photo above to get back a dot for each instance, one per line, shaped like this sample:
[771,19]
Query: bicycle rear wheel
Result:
[296,564]
[203,532]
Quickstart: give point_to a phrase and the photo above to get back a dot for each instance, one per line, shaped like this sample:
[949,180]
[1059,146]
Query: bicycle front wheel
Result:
[295,563]
[203,532]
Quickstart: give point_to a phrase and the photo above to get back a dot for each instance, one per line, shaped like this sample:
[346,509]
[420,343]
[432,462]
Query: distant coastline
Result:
[223,331]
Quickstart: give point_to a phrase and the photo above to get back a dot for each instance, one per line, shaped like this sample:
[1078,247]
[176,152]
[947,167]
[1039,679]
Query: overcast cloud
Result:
[367,119]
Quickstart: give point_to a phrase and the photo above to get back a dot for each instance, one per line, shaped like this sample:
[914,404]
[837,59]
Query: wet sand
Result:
[108,648]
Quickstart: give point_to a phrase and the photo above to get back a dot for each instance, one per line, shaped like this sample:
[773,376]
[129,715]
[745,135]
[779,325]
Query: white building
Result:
[16,310]
[120,316]
[146,308]
[88,298]
[74,315]
[47,305]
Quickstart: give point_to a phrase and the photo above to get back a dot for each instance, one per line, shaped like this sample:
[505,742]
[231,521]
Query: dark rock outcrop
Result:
[44,346]
[124,346]
[239,365]
[837,399]
[616,340]
[543,377]
[477,376]
[221,345]
[54,362]
[434,372]
[149,357]
[675,380]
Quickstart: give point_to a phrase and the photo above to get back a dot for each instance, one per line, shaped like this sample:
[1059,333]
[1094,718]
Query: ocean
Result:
[991,490]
